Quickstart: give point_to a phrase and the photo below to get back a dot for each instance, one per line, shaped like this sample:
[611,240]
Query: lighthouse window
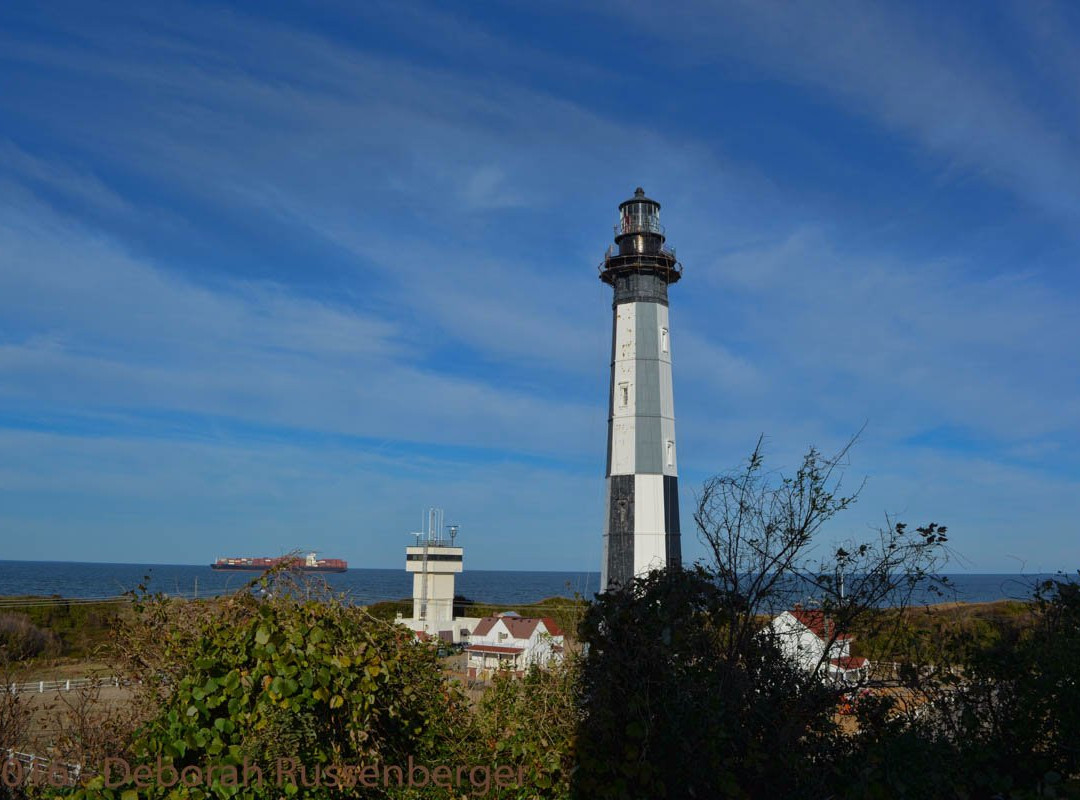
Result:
[624,394]
[670,453]
[663,340]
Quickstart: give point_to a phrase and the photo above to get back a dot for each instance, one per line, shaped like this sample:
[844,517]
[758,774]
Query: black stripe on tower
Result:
[673,540]
[640,287]
[620,566]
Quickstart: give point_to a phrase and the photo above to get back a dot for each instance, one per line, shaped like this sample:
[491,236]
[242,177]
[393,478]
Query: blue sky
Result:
[278,276]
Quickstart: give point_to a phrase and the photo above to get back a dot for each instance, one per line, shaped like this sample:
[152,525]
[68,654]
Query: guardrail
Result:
[891,670]
[20,768]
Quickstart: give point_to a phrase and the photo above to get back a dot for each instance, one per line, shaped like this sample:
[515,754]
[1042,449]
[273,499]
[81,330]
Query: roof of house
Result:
[494,648]
[484,626]
[815,620]
[552,628]
[849,662]
[518,627]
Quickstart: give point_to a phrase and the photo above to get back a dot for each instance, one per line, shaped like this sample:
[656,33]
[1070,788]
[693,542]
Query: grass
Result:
[566,612]
[84,630]
[942,628]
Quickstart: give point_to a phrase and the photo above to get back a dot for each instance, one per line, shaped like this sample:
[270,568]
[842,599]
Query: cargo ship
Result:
[308,564]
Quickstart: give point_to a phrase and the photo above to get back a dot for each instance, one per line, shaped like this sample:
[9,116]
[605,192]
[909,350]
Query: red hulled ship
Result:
[308,564]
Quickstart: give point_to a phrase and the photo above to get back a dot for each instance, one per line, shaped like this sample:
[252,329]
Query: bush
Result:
[248,681]
[21,639]
[669,712]
[529,724]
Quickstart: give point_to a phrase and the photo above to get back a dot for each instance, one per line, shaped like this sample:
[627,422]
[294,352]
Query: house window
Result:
[502,636]
[663,340]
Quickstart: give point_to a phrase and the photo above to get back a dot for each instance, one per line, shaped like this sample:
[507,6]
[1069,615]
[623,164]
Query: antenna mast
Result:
[431,538]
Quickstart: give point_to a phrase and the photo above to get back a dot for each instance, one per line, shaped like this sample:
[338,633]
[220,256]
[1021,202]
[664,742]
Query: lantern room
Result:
[639,229]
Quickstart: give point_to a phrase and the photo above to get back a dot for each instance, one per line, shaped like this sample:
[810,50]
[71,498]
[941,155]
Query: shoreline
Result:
[11,603]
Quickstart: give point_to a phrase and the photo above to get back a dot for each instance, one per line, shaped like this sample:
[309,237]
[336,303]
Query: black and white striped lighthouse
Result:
[641,528]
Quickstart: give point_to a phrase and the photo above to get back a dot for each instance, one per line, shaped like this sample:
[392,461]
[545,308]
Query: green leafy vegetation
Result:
[529,724]
[285,681]
[669,711]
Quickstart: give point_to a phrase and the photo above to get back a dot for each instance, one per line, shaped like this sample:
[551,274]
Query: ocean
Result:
[361,586]
[366,586]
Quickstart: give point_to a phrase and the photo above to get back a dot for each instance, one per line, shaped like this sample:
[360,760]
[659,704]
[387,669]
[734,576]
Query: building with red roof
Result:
[812,640]
[511,642]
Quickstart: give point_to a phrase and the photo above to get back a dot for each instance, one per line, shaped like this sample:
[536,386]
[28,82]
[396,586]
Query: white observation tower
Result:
[434,560]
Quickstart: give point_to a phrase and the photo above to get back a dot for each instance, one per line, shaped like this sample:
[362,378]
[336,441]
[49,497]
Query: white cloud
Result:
[104,330]
[907,344]
[928,79]
[75,183]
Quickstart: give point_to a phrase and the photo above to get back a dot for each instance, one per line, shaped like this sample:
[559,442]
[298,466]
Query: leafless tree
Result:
[763,530]
[15,711]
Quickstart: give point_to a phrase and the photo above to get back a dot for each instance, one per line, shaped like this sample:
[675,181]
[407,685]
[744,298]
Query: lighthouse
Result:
[641,527]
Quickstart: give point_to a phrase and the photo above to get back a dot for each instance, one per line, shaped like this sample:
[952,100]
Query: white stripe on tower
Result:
[667,394]
[624,391]
[650,538]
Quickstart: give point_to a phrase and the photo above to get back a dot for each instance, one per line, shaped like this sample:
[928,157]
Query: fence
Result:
[19,768]
[64,685]
[889,671]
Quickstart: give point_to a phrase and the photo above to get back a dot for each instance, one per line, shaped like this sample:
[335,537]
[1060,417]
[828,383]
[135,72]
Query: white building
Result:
[510,642]
[810,639]
[434,560]
[433,565]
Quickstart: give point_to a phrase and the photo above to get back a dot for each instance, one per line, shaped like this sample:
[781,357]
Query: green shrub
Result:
[529,724]
[243,681]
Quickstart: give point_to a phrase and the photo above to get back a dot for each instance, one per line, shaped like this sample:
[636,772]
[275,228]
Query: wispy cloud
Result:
[924,77]
[109,331]
[911,342]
